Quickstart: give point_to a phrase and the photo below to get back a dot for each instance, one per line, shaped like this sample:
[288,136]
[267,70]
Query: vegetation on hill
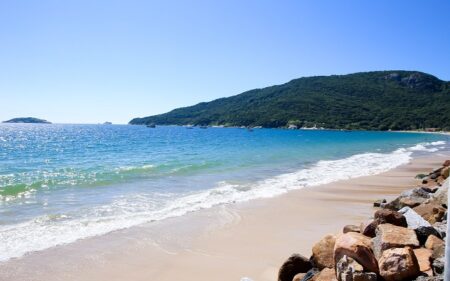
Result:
[380,100]
[27,120]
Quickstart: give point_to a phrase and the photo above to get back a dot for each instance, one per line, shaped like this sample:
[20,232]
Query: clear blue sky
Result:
[94,61]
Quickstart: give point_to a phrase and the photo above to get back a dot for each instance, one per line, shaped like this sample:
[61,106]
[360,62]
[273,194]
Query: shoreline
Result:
[249,239]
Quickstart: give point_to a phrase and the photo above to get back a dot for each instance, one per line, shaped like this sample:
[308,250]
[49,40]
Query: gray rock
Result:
[441,195]
[438,266]
[413,219]
[310,274]
[428,278]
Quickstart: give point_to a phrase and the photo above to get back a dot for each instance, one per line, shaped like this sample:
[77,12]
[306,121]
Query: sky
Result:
[90,61]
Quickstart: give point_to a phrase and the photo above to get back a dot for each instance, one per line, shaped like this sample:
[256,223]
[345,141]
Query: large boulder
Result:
[322,252]
[358,247]
[398,264]
[446,163]
[424,259]
[430,211]
[391,236]
[424,231]
[347,269]
[294,264]
[436,245]
[413,219]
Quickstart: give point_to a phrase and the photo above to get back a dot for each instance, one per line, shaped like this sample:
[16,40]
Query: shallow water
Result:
[60,183]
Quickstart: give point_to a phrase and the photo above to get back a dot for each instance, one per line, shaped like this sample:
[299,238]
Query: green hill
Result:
[380,100]
[27,120]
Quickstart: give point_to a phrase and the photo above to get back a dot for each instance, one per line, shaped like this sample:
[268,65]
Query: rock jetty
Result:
[405,240]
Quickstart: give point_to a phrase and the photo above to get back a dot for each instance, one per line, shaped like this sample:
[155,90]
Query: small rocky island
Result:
[27,120]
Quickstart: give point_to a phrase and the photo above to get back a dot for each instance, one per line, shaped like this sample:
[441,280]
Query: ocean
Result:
[61,183]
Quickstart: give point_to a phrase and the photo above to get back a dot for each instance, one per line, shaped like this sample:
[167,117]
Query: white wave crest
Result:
[46,232]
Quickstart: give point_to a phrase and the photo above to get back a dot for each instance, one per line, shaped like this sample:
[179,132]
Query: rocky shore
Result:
[405,240]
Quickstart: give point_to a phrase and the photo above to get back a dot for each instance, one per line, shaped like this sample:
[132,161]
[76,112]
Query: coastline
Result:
[228,242]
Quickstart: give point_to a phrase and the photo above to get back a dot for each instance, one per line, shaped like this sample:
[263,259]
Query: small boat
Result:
[203,127]
[151,126]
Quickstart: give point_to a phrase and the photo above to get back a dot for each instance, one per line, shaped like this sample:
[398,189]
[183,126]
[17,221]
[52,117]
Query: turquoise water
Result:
[60,183]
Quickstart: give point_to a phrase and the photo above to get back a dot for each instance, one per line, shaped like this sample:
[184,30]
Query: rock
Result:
[441,195]
[391,236]
[445,172]
[298,277]
[424,231]
[322,252]
[327,274]
[347,269]
[294,264]
[441,227]
[408,198]
[446,163]
[311,275]
[351,228]
[398,264]
[379,202]
[436,245]
[424,259]
[358,247]
[438,266]
[369,229]
[390,216]
[430,211]
[413,219]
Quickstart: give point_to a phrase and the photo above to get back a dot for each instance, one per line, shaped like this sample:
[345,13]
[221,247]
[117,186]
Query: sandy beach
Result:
[228,242]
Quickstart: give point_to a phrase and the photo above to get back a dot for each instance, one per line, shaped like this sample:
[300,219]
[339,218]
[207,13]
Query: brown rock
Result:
[398,264]
[436,245]
[369,228]
[322,252]
[356,246]
[424,259]
[391,236]
[351,228]
[294,264]
[445,172]
[446,163]
[431,211]
[410,201]
[390,216]
[327,274]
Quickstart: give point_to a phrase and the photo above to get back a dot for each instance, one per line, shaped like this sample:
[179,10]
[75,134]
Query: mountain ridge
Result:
[376,100]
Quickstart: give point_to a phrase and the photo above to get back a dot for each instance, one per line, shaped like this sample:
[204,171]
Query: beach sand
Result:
[227,242]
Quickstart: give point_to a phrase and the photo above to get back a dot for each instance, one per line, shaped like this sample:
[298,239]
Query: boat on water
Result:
[151,126]
[203,127]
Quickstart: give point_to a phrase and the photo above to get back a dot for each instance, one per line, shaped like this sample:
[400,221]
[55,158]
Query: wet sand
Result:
[228,242]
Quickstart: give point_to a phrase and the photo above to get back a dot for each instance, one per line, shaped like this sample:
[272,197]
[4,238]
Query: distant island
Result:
[378,100]
[27,120]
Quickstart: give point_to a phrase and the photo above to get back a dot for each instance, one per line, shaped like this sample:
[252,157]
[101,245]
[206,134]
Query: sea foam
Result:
[48,231]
